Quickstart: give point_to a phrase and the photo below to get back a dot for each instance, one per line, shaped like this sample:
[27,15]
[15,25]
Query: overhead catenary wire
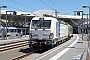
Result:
[46,4]
[35,9]
[16,9]
[58,6]
[30,7]
[23,5]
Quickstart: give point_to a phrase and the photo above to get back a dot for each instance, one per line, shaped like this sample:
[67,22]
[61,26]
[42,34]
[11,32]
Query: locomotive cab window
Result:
[41,24]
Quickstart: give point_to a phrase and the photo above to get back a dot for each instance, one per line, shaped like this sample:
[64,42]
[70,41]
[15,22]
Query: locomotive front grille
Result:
[35,35]
[40,36]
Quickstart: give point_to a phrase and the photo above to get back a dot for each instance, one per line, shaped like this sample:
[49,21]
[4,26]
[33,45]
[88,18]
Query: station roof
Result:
[3,20]
[50,12]
[18,13]
[72,19]
[41,12]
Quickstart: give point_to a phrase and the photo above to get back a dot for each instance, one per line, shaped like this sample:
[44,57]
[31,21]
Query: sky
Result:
[62,6]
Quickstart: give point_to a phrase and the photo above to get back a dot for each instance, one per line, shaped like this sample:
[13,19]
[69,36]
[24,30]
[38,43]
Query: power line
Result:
[22,4]
[46,4]
[16,8]
[58,6]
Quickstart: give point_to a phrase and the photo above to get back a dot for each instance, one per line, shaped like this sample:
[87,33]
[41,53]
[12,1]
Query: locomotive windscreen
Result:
[41,24]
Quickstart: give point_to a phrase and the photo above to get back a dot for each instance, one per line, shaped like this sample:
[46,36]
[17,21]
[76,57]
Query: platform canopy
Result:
[71,19]
[41,12]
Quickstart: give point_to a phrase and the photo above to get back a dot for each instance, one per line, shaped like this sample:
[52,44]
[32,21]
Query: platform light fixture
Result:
[78,13]
[6,21]
[0,13]
[87,22]
[89,19]
[0,18]
[88,56]
[0,9]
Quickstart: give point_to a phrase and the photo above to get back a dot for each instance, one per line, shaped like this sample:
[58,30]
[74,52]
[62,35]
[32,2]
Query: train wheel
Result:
[29,45]
[57,43]
[61,41]
[52,46]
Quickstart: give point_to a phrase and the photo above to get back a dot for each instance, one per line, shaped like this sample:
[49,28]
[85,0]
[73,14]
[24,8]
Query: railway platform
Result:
[74,49]
[13,40]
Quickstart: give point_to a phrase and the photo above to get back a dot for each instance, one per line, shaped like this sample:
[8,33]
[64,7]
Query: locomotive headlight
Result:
[51,35]
[30,35]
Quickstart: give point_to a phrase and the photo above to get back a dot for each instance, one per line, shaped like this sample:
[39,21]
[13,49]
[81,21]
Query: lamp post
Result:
[78,13]
[0,20]
[89,19]
[0,13]
[88,51]
[25,22]
[0,9]
[6,21]
[87,22]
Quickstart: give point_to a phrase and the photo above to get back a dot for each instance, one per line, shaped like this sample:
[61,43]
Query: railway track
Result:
[17,45]
[13,46]
[26,55]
